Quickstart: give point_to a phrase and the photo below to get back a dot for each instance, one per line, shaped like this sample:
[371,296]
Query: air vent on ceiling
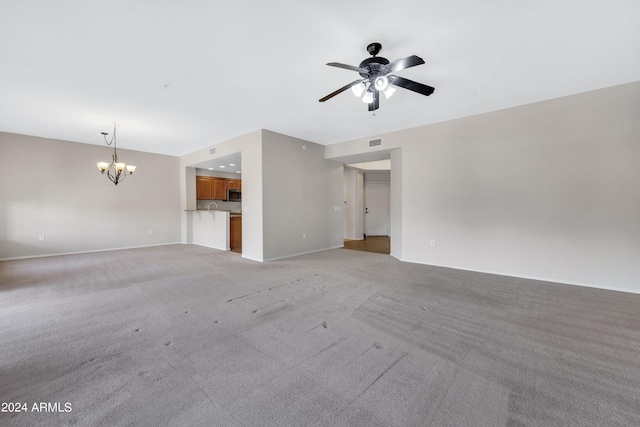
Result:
[212,151]
[375,142]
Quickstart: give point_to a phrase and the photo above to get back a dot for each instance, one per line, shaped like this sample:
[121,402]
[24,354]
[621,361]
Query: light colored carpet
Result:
[189,336]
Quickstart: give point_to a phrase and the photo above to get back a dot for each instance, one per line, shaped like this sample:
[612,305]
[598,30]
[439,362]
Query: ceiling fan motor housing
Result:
[374,48]
[375,67]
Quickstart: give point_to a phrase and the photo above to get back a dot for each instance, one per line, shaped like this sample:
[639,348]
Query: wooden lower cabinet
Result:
[235,240]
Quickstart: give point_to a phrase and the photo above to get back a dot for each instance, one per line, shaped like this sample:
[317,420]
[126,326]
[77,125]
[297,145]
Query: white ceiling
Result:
[178,76]
[231,163]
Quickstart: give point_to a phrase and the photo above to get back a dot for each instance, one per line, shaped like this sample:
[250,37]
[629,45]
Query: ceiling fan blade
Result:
[401,64]
[411,85]
[342,89]
[348,67]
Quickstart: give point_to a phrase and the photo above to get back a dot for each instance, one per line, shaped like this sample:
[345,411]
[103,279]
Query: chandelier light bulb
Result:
[368,97]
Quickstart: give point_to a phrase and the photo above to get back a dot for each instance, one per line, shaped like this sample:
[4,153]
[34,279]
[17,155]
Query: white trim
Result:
[88,252]
[304,253]
[209,246]
[251,259]
[540,279]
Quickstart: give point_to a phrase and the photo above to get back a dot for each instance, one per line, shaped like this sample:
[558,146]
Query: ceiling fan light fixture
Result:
[358,89]
[368,97]
[388,91]
[381,83]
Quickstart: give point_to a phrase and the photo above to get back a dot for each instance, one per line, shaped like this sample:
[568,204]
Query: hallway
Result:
[377,244]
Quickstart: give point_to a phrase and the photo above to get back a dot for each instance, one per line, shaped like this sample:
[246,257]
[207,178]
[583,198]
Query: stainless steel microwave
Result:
[234,195]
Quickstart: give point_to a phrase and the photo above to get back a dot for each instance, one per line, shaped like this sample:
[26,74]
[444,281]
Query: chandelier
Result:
[115,170]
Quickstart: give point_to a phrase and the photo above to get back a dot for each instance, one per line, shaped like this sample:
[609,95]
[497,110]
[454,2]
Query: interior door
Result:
[376,211]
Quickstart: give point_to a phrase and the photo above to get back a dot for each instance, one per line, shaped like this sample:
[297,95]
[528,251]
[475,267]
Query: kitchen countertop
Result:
[212,210]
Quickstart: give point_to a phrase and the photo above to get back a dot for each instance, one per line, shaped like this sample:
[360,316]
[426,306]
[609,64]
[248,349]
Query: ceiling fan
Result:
[376,77]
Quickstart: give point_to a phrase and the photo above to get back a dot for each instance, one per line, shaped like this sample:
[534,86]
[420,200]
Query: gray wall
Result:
[397,202]
[303,193]
[548,190]
[353,207]
[53,188]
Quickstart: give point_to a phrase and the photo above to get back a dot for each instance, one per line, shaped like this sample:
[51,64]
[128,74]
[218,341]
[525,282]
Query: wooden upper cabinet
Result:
[212,188]
[235,184]
[220,188]
[204,187]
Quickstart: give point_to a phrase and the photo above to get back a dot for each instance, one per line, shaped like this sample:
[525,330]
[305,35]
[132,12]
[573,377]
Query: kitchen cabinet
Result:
[213,188]
[235,233]
[204,187]
[220,188]
[235,184]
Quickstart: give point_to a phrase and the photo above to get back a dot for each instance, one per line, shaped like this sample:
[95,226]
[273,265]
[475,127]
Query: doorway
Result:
[367,208]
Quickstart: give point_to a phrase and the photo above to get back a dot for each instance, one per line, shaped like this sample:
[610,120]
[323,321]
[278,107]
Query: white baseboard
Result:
[538,278]
[304,253]
[87,252]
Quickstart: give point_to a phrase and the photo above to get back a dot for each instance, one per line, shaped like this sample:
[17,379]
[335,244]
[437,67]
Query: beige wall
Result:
[303,195]
[53,188]
[548,190]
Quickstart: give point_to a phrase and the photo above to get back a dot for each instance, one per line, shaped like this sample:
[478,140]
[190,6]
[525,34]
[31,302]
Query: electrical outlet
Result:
[304,235]
[41,237]
[433,243]
[150,231]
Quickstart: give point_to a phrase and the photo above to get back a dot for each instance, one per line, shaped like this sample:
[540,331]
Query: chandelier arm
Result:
[104,135]
[116,177]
